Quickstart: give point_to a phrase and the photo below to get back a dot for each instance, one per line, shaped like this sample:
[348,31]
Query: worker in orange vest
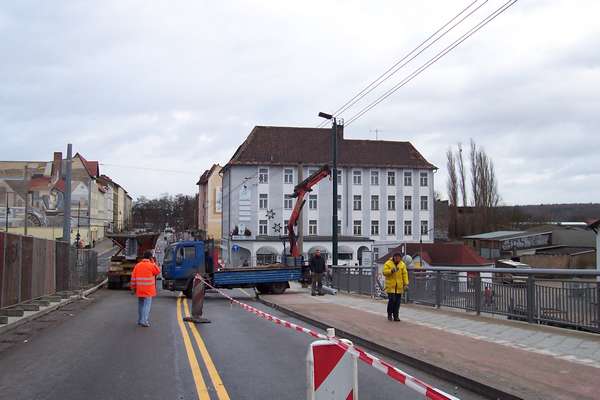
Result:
[143,285]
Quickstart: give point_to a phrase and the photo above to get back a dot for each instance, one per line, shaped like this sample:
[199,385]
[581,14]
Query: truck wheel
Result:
[279,288]
[263,288]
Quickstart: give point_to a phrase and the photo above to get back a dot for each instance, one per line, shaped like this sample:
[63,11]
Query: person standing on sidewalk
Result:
[317,269]
[143,285]
[396,282]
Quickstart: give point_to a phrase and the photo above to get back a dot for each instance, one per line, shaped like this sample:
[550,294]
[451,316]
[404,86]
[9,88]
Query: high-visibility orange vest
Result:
[143,279]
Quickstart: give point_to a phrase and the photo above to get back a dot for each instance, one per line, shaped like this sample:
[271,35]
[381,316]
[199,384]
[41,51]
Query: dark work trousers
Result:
[393,307]
[317,283]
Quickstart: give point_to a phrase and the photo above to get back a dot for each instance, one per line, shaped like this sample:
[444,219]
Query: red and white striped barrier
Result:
[398,375]
[332,372]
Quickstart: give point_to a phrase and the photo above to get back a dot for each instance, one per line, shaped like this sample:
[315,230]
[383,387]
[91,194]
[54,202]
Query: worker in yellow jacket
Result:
[396,282]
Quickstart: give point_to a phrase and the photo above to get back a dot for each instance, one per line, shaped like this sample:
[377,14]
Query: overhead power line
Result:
[432,60]
[149,169]
[396,66]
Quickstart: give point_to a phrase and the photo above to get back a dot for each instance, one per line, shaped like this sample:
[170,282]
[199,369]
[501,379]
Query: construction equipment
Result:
[132,246]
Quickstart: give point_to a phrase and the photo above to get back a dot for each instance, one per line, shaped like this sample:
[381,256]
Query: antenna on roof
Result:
[376,132]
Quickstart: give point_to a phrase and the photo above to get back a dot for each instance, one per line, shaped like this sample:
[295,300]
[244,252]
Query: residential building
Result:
[42,185]
[385,191]
[210,206]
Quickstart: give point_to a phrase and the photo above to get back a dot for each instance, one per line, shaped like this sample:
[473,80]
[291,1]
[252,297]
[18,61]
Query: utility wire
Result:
[432,60]
[148,169]
[395,68]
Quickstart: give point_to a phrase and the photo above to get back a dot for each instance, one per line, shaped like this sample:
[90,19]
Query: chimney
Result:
[56,166]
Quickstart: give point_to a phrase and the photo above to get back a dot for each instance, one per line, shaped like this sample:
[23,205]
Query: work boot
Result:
[390,317]
[313,294]
[396,318]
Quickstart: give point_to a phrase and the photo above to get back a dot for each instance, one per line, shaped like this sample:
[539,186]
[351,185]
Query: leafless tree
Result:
[474,174]
[452,178]
[462,175]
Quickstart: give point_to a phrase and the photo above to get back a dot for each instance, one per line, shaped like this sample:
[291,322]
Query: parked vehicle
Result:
[132,246]
[182,260]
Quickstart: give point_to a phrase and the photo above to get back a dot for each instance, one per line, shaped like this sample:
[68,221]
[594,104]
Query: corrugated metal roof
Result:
[495,235]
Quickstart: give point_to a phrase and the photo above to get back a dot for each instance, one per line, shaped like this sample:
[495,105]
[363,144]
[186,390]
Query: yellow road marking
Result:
[210,366]
[189,349]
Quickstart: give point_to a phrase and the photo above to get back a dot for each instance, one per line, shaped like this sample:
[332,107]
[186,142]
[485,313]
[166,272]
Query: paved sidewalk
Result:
[526,361]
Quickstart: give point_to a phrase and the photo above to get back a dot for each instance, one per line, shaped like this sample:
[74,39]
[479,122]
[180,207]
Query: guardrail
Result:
[561,297]
[566,298]
[355,279]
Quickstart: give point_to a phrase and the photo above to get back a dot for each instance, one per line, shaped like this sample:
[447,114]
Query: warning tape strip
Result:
[377,363]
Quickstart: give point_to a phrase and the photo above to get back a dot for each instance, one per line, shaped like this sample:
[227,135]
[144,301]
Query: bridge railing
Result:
[567,298]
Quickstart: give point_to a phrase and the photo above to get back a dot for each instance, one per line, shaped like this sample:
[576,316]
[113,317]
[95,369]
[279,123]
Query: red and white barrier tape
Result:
[377,363]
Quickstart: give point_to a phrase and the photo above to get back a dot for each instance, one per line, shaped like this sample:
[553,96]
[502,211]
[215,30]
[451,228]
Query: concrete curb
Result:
[13,325]
[481,388]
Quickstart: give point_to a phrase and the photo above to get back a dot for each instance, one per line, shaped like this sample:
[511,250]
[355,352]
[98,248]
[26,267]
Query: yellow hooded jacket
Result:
[395,281]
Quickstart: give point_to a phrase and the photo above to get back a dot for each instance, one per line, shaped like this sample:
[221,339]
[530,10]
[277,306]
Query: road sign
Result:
[235,248]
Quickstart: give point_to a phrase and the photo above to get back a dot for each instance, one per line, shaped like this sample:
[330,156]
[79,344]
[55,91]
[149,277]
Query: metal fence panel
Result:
[12,270]
[27,279]
[2,243]
[50,271]
[354,279]
[61,262]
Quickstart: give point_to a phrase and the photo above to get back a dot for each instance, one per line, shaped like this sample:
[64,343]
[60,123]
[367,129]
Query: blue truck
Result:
[182,260]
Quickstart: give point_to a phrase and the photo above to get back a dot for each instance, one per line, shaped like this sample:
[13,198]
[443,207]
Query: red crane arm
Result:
[299,192]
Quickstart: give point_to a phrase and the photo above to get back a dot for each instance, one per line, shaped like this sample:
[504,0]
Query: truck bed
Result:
[230,277]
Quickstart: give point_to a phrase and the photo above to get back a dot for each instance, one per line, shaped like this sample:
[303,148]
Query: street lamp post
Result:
[334,217]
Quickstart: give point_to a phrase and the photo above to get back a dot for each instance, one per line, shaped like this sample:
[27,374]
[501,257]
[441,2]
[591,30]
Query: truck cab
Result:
[182,260]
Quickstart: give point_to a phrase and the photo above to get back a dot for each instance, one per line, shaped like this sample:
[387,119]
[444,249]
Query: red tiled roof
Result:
[442,254]
[207,174]
[60,185]
[39,182]
[91,167]
[282,145]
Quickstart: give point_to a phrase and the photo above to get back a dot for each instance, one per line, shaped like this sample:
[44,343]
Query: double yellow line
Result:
[201,389]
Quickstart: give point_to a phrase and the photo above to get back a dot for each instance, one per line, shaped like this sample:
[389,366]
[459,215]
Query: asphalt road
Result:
[94,350]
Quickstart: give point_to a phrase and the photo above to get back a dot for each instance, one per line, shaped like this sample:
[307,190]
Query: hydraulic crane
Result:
[299,192]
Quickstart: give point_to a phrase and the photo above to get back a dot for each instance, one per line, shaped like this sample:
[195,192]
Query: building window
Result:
[407,178]
[391,178]
[288,176]
[407,228]
[263,201]
[339,201]
[423,202]
[375,253]
[312,201]
[375,202]
[374,178]
[339,227]
[357,202]
[407,203]
[424,228]
[375,228]
[288,201]
[285,226]
[391,228]
[339,176]
[391,203]
[262,227]
[357,177]
[357,228]
[312,227]
[312,171]
[423,178]
[263,175]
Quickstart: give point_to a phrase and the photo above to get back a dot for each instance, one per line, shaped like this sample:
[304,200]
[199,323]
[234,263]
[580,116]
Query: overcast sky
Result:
[178,85]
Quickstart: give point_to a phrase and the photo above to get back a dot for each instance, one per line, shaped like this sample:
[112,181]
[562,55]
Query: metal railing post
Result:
[530,299]
[598,304]
[348,279]
[438,289]
[477,283]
